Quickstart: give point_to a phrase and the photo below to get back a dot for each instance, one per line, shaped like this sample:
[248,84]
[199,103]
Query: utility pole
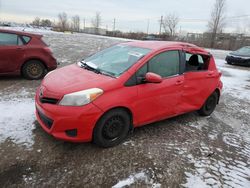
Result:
[114,26]
[161,24]
[148,27]
[84,22]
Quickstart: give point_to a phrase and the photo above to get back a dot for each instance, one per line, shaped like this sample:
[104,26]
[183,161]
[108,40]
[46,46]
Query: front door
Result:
[157,101]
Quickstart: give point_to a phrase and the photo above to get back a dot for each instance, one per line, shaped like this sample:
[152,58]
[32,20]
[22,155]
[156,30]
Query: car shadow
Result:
[8,78]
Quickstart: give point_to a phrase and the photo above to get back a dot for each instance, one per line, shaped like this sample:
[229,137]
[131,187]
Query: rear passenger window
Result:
[165,64]
[8,39]
[196,62]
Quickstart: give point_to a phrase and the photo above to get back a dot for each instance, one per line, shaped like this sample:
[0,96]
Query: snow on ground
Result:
[29,29]
[137,177]
[236,82]
[17,118]
[48,31]
[210,172]
[219,54]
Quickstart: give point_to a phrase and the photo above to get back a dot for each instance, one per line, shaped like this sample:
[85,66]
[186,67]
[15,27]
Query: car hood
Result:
[72,78]
[236,54]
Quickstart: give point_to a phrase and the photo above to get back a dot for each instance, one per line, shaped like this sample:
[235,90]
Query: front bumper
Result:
[61,121]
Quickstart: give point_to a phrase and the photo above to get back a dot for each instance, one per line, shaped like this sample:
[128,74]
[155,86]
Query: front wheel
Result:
[112,128]
[209,106]
[34,70]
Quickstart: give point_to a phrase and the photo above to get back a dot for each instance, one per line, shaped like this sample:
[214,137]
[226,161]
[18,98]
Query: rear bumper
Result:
[52,65]
[59,121]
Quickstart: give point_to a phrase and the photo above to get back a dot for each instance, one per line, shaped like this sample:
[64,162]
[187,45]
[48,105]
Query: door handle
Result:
[210,75]
[179,82]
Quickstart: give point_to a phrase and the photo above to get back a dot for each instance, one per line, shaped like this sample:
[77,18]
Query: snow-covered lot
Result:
[188,151]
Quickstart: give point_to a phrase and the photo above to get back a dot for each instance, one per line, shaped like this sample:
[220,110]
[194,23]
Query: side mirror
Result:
[153,78]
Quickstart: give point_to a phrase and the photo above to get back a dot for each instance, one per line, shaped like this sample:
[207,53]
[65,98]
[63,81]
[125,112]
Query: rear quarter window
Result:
[26,39]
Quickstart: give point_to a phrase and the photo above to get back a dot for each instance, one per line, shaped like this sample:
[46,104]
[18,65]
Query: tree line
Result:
[64,23]
[168,25]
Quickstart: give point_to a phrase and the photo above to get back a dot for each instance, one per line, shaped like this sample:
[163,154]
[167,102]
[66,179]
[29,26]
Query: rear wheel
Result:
[209,106]
[34,70]
[112,128]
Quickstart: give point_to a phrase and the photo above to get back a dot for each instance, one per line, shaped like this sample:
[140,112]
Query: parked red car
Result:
[24,54]
[128,85]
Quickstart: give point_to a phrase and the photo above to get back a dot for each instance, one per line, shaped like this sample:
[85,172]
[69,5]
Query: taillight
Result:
[220,74]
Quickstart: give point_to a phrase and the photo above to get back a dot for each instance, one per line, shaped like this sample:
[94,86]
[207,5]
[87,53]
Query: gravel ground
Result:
[185,151]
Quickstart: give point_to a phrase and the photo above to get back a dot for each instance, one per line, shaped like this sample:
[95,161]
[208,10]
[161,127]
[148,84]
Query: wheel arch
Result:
[126,109]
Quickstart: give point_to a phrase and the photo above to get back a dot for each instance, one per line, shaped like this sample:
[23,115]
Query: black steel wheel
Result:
[112,128]
[209,106]
[33,70]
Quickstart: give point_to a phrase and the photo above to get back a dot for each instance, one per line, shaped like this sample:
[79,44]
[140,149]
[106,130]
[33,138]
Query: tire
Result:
[209,106]
[112,128]
[34,70]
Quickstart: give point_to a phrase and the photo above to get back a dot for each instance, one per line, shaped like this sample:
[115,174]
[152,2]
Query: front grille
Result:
[47,121]
[48,100]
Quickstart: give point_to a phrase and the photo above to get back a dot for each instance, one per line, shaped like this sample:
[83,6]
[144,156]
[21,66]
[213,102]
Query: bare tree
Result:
[76,23]
[45,23]
[170,23]
[96,22]
[217,21]
[63,21]
[36,21]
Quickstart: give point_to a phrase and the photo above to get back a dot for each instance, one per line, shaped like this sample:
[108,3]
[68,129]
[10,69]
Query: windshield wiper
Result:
[107,73]
[92,67]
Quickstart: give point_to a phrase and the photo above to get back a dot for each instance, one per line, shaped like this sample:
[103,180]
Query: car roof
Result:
[19,32]
[158,45]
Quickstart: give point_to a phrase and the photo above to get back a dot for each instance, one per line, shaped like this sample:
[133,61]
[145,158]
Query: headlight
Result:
[81,98]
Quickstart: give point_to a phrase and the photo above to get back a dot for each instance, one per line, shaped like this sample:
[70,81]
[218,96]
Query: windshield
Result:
[117,59]
[244,51]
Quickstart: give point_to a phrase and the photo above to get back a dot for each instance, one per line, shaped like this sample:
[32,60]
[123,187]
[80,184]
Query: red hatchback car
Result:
[128,85]
[24,53]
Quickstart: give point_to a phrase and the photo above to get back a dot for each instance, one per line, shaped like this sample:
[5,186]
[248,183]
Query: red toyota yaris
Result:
[128,85]
[24,54]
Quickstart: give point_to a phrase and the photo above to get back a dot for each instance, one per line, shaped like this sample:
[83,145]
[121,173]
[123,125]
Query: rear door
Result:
[158,101]
[197,81]
[11,52]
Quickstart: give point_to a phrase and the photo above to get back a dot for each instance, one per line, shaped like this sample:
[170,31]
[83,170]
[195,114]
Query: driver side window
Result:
[164,64]
[8,39]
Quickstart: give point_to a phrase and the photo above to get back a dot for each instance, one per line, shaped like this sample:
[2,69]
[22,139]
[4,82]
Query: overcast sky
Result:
[131,15]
